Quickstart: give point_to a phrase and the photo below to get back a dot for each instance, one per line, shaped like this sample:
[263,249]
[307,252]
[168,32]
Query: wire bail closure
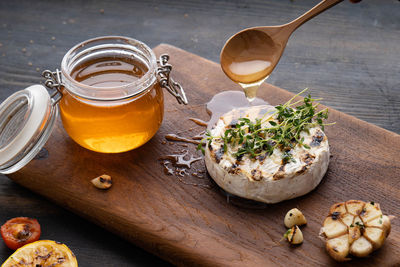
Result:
[53,81]
[174,88]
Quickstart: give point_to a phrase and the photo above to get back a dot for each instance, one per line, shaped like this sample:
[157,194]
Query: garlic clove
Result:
[102,182]
[338,207]
[355,206]
[361,247]
[338,247]
[354,233]
[370,211]
[347,219]
[375,236]
[295,236]
[294,217]
[333,227]
[377,222]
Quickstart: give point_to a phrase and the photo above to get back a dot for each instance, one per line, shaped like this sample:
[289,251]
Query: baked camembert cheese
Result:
[269,154]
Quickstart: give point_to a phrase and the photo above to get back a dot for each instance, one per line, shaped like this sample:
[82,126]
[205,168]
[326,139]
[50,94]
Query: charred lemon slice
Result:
[42,253]
[354,227]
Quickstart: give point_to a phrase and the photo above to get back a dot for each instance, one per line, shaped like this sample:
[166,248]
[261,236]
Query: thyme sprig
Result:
[280,129]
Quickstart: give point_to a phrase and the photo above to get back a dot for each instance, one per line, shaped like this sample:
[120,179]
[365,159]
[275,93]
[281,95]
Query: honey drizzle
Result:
[199,136]
[199,122]
[179,165]
[174,137]
[218,105]
[180,160]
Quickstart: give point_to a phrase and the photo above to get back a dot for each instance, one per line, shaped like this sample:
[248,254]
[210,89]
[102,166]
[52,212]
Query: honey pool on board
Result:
[112,126]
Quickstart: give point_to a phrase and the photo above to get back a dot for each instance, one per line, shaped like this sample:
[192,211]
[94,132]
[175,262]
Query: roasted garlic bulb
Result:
[354,227]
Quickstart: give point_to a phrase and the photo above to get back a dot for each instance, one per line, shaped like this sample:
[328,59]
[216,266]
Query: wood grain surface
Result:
[195,225]
[349,56]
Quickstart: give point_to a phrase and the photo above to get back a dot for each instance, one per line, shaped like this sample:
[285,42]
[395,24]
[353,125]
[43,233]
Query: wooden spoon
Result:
[251,55]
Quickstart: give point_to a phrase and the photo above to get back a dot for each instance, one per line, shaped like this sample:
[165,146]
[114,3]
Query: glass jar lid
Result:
[26,120]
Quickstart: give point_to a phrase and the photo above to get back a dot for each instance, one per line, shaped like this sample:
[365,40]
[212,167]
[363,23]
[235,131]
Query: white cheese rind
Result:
[275,185]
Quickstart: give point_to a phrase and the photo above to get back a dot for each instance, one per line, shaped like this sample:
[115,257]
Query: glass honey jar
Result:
[109,94]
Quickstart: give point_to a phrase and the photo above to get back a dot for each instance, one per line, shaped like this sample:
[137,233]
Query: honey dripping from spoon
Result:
[249,56]
[248,60]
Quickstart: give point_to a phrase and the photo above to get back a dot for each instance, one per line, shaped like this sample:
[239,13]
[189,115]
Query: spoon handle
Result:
[320,7]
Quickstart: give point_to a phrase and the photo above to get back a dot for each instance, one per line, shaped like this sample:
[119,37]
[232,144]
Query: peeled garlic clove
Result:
[347,219]
[333,227]
[354,233]
[361,247]
[294,217]
[294,235]
[338,248]
[377,222]
[355,206]
[375,235]
[338,207]
[358,221]
[370,211]
[102,182]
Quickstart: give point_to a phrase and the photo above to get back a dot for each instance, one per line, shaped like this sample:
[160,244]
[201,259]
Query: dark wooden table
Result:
[349,55]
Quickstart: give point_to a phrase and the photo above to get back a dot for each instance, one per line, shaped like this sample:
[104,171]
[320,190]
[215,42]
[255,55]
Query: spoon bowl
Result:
[251,55]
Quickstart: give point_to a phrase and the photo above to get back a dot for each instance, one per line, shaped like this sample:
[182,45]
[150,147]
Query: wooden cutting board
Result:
[195,225]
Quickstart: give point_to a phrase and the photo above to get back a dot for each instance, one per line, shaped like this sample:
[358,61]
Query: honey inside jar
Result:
[112,126]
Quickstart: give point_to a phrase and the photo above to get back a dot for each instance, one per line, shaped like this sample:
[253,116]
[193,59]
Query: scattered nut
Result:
[354,227]
[294,235]
[294,217]
[102,182]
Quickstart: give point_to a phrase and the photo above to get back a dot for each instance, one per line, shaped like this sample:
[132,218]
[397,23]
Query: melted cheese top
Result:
[269,167]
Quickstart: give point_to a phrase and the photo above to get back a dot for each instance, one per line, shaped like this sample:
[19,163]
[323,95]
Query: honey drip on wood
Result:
[179,164]
[199,121]
[182,160]
[174,137]
[199,136]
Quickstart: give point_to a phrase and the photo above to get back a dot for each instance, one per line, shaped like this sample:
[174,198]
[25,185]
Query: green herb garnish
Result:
[360,225]
[281,129]
[364,210]
[287,233]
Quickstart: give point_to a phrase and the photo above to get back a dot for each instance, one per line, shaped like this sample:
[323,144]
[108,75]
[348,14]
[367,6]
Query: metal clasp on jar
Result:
[174,88]
[53,81]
